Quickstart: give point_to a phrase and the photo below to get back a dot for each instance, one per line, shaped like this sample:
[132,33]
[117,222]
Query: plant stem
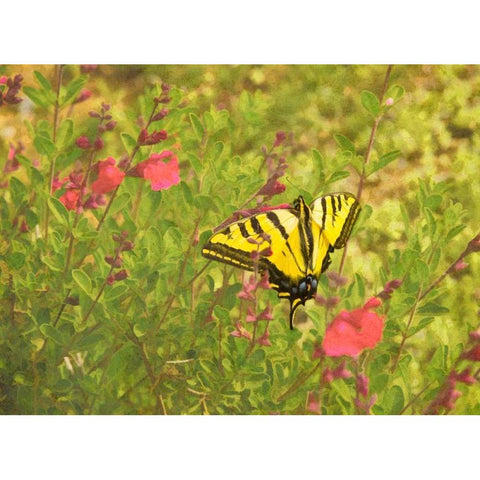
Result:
[405,332]
[54,138]
[368,155]
[134,152]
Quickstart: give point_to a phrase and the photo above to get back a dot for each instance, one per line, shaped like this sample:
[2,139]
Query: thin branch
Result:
[368,155]
[54,138]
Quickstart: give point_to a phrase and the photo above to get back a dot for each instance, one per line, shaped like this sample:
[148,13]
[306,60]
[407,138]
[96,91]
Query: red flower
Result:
[109,176]
[351,332]
[70,198]
[161,175]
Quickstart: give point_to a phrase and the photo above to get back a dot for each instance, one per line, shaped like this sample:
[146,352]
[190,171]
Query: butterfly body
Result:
[300,240]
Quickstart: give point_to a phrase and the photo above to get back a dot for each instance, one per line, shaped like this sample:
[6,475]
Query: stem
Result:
[368,155]
[54,138]
[405,333]
[172,296]
[134,152]
[302,378]
[77,213]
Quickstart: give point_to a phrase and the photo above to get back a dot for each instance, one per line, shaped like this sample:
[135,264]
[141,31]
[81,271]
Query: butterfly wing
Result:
[333,218]
[237,243]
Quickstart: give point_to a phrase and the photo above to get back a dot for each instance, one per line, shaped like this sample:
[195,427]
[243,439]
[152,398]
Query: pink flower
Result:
[460,265]
[249,286]
[83,95]
[3,80]
[251,317]
[313,403]
[352,332]
[109,176]
[263,340]
[389,102]
[241,332]
[162,175]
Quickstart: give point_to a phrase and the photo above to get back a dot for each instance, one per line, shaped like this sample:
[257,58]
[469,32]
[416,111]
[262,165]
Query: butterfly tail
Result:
[294,303]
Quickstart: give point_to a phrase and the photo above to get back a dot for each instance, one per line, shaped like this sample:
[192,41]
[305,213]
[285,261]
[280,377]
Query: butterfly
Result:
[298,240]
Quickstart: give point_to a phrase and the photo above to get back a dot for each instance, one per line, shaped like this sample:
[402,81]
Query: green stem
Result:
[54,138]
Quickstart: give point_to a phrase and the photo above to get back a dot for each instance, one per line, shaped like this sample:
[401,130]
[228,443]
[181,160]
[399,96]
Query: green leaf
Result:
[197,126]
[16,260]
[44,83]
[115,292]
[52,333]
[119,203]
[344,143]
[82,280]
[394,400]
[44,145]
[432,308]
[396,92]
[71,91]
[36,96]
[59,210]
[65,134]
[128,142]
[454,232]
[195,162]
[370,102]
[17,189]
[336,177]
[382,162]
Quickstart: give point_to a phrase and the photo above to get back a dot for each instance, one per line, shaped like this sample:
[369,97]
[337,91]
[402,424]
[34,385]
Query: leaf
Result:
[370,102]
[128,141]
[195,162]
[336,177]
[396,92]
[44,145]
[64,134]
[44,83]
[82,280]
[72,90]
[36,96]
[197,126]
[17,189]
[394,400]
[382,162]
[119,203]
[52,333]
[59,210]
[344,143]
[16,260]
[454,232]
[432,308]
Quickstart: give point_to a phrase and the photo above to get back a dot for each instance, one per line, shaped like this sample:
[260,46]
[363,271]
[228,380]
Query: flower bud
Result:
[121,275]
[83,142]
[98,143]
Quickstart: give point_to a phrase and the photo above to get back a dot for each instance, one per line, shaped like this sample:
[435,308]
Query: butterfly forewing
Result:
[231,245]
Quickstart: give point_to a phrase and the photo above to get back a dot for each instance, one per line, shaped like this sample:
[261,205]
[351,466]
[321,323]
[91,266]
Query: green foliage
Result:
[75,340]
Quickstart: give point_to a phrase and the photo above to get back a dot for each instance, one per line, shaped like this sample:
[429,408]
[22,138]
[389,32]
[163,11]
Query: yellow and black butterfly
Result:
[301,239]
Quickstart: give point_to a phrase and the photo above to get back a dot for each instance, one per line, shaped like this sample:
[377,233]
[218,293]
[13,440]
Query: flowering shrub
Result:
[111,187]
